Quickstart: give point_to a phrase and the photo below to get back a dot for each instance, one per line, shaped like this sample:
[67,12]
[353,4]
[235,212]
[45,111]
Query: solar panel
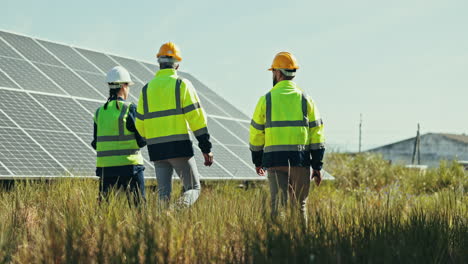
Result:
[57,93]
[6,122]
[214,171]
[135,91]
[69,112]
[22,156]
[209,107]
[243,153]
[6,82]
[91,106]
[246,125]
[27,113]
[79,159]
[229,161]
[28,77]
[99,59]
[152,67]
[228,109]
[235,127]
[96,80]
[69,56]
[29,48]
[87,138]
[71,83]
[136,68]
[4,171]
[7,51]
[221,134]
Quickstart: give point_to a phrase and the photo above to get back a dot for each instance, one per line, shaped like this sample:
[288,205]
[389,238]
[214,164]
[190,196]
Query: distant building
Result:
[433,146]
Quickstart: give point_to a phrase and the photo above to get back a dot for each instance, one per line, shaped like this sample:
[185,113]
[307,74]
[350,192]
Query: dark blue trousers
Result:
[129,178]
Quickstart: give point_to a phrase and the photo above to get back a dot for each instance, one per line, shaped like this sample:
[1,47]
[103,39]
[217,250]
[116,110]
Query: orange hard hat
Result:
[169,49]
[284,60]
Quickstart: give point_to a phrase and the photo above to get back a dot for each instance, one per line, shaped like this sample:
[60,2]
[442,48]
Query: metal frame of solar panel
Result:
[49,94]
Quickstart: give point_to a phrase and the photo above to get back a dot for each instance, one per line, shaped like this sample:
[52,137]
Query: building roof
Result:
[462,138]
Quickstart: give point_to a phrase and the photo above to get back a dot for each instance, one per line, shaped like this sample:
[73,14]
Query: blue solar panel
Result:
[79,159]
[69,112]
[69,56]
[22,156]
[7,51]
[101,60]
[27,113]
[29,48]
[6,82]
[27,76]
[70,82]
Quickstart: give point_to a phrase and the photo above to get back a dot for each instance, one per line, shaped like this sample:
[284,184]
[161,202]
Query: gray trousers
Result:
[291,184]
[186,169]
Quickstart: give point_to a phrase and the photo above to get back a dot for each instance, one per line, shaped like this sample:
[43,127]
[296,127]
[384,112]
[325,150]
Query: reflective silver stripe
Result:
[257,126]
[115,138]
[316,123]
[268,110]
[255,148]
[177,93]
[301,123]
[317,146]
[163,113]
[123,111]
[177,111]
[191,107]
[287,123]
[120,152]
[287,148]
[201,131]
[166,139]
[140,116]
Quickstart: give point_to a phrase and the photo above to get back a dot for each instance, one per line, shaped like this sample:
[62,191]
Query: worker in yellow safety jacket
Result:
[117,142]
[286,137]
[167,108]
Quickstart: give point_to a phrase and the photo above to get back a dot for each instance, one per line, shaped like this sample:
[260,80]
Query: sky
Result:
[398,63]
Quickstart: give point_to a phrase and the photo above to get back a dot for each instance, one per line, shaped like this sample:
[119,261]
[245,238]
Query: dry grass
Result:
[373,213]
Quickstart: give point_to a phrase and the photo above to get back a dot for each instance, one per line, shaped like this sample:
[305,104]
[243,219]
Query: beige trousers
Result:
[291,183]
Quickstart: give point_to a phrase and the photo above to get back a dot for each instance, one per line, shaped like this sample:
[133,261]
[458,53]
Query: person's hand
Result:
[208,158]
[260,171]
[317,177]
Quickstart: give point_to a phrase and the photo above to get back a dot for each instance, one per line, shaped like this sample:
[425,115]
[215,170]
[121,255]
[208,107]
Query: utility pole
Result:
[417,148]
[360,133]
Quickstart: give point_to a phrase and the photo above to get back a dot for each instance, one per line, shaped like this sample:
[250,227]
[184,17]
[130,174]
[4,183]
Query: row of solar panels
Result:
[49,93]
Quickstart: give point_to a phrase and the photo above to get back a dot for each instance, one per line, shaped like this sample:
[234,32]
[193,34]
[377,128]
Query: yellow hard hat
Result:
[169,49]
[284,60]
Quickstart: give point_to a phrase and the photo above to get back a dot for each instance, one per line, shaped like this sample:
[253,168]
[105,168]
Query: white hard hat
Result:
[119,74]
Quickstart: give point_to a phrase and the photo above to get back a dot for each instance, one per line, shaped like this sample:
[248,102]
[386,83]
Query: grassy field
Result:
[372,213]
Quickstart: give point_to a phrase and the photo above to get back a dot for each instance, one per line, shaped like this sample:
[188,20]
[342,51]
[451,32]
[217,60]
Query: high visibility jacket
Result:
[286,129]
[168,106]
[115,144]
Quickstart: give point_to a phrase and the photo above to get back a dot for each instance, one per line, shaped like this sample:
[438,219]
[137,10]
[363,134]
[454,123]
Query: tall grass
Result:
[373,213]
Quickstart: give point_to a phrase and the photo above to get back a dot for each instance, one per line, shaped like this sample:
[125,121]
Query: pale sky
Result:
[396,62]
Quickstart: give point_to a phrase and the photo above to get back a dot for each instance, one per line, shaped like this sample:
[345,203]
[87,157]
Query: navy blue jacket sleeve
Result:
[317,157]
[257,158]
[204,143]
[131,126]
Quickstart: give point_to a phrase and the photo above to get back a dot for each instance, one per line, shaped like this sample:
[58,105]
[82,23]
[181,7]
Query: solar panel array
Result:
[50,92]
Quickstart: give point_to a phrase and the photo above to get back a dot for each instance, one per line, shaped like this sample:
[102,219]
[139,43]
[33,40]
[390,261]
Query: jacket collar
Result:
[286,85]
[166,72]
